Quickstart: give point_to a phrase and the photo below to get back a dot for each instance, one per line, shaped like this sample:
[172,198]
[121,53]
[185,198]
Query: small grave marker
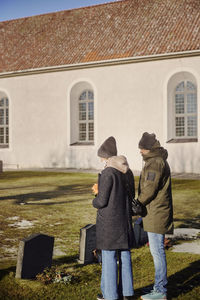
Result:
[34,255]
[87,244]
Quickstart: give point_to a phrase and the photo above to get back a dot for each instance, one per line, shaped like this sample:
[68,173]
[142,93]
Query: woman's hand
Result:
[95,189]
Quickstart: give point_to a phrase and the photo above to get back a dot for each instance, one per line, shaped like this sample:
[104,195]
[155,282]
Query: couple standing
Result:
[114,231]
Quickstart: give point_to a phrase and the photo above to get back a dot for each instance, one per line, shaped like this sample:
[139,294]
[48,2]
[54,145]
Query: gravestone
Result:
[1,166]
[87,244]
[34,255]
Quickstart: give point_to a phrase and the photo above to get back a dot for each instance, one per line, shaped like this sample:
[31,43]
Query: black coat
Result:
[114,220]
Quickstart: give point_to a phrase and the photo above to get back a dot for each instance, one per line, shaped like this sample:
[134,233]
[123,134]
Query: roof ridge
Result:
[66,10]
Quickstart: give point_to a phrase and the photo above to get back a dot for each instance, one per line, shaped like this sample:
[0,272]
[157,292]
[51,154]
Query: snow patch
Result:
[184,234]
[23,224]
[193,247]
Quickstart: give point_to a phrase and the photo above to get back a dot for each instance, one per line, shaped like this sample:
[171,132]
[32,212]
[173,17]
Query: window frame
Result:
[172,84]
[4,119]
[185,114]
[86,121]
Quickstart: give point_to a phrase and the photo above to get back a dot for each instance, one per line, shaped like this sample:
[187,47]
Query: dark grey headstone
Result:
[34,255]
[87,244]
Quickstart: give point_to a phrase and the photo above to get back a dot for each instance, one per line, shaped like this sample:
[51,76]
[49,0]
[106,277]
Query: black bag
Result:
[138,209]
[141,237]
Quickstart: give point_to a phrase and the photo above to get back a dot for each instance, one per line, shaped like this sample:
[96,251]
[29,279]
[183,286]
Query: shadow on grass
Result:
[65,260]
[185,280]
[69,261]
[4,272]
[68,191]
[10,175]
[181,282]
[58,261]
[189,223]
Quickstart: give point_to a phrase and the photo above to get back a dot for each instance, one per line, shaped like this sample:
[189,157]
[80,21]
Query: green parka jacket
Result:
[155,191]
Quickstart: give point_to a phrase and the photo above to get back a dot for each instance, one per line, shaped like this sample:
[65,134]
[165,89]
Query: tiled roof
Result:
[121,29]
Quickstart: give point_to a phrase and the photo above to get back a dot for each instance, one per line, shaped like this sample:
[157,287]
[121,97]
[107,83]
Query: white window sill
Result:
[82,144]
[184,140]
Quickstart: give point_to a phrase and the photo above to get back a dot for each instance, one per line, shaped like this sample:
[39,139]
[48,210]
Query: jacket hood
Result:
[156,151]
[118,162]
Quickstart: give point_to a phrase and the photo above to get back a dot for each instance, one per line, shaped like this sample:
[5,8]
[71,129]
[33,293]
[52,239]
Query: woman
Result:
[114,231]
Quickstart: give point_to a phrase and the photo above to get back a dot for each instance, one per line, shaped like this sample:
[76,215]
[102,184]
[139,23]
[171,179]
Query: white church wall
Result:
[129,99]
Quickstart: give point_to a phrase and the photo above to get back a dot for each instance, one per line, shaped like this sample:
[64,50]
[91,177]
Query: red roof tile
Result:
[120,29]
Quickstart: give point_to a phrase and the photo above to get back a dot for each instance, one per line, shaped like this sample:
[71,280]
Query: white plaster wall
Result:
[129,99]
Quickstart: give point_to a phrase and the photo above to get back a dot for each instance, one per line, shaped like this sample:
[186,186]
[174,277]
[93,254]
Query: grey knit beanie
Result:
[147,141]
[108,148]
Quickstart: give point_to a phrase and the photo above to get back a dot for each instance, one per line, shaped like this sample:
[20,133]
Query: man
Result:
[155,193]
[114,232]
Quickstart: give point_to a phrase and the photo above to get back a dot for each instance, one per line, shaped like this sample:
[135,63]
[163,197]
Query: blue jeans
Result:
[156,244]
[109,276]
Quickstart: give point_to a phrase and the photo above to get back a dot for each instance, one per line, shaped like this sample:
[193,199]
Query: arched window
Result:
[4,121]
[82,131]
[185,110]
[86,116]
[182,108]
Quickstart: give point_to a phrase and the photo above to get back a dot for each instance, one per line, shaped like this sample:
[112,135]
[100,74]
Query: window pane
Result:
[6,116]
[190,86]
[82,132]
[82,116]
[180,126]
[1,121]
[82,111]
[192,131]
[1,139]
[91,106]
[192,125]
[180,131]
[82,127]
[191,103]
[180,121]
[2,102]
[180,87]
[192,120]
[91,136]
[91,131]
[91,126]
[179,103]
[82,106]
[90,111]
[82,136]
[1,131]
[83,96]
[90,95]
[1,112]
[90,115]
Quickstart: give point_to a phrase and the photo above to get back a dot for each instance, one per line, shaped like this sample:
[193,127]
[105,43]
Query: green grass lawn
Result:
[59,204]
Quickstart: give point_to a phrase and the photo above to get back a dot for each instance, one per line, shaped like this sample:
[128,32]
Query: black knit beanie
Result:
[147,141]
[108,148]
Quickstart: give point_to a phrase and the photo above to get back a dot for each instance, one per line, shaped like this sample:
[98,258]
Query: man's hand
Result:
[138,209]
